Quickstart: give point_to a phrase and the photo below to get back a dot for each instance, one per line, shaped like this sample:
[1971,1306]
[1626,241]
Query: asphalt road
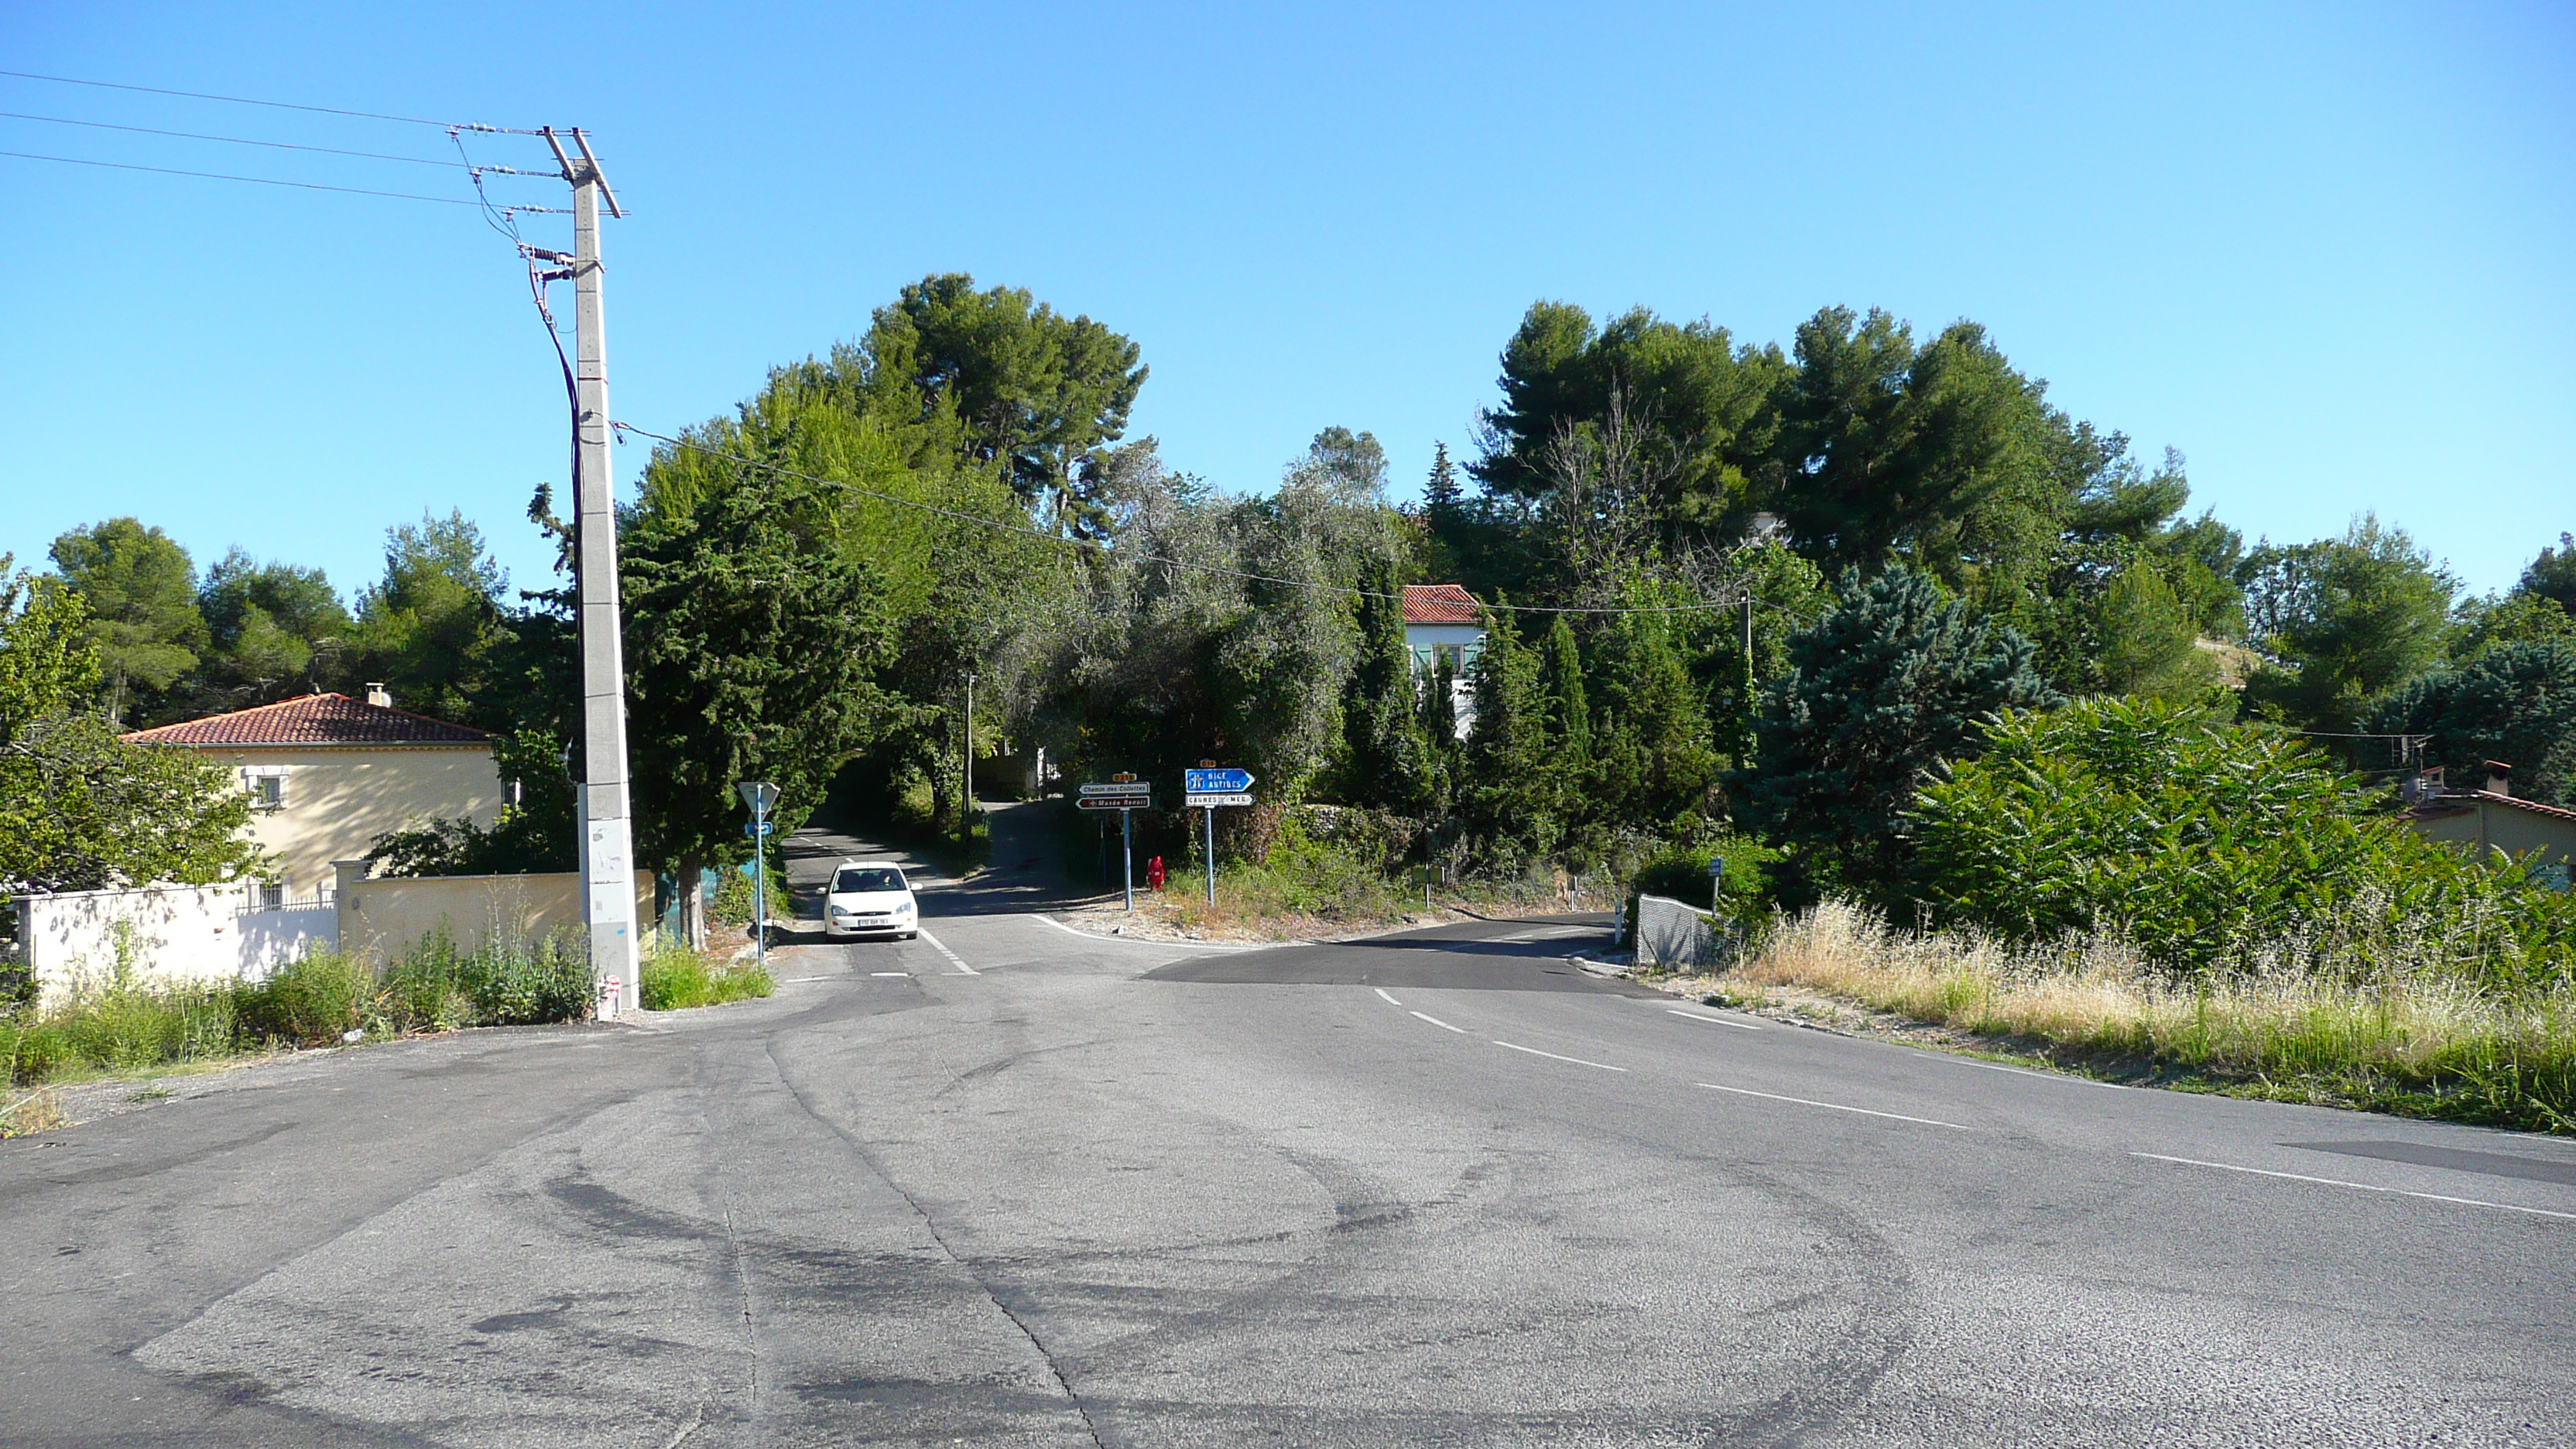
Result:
[1012,1185]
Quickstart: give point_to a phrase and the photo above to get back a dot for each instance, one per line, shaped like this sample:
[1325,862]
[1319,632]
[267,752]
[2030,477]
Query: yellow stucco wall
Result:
[339,798]
[2504,828]
[386,918]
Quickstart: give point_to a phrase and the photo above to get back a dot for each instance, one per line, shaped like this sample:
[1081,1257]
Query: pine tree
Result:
[1884,688]
[1381,730]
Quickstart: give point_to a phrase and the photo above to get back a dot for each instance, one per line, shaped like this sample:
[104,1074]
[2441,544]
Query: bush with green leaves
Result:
[2203,840]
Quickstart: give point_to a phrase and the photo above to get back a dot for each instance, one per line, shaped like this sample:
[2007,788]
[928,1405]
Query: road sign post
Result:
[1125,794]
[759,795]
[1207,788]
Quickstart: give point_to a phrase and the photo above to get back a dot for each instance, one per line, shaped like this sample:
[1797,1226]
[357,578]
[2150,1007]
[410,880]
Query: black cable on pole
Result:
[1024,530]
[270,181]
[229,140]
[248,101]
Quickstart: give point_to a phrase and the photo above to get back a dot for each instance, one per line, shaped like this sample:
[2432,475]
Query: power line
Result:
[248,101]
[269,181]
[1024,530]
[235,140]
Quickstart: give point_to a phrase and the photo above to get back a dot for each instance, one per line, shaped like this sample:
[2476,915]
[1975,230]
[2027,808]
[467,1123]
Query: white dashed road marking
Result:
[1444,1026]
[941,947]
[889,973]
[1837,1107]
[2505,1207]
[1382,996]
[1551,1056]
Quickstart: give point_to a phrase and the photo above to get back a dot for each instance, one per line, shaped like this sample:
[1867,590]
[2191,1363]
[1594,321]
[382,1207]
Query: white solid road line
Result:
[1713,1020]
[1149,940]
[942,948]
[792,980]
[2359,1186]
[1444,1026]
[1551,1056]
[1382,996]
[1837,1107]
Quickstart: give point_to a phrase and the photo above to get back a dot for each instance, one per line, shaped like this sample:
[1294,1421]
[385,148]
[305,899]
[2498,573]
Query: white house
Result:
[1443,624]
[327,774]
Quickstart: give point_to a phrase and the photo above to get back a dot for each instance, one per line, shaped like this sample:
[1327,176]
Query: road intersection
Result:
[1015,1184]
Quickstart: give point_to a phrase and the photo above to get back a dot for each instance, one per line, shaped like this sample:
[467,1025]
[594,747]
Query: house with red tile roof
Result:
[1443,624]
[328,774]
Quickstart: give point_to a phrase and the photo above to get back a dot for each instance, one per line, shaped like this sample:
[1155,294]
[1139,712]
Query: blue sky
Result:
[2321,249]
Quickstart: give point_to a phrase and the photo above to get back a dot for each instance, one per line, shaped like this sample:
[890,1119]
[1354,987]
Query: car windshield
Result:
[869,878]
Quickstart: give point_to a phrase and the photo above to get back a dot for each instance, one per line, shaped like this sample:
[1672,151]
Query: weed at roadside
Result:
[674,977]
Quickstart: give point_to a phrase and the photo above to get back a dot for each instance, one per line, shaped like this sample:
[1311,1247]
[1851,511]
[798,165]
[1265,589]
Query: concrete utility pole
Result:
[608,831]
[966,768]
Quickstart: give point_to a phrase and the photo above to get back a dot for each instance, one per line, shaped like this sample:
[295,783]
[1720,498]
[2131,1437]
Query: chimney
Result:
[2499,778]
[377,696]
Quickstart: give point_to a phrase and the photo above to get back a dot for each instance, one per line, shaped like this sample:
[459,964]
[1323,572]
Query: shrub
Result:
[1680,872]
[313,1001]
[2199,840]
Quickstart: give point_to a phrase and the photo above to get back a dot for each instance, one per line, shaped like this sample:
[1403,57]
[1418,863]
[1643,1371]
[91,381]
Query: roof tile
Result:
[1441,604]
[314,719]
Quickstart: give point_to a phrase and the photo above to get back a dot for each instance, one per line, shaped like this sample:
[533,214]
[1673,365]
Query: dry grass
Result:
[28,1115]
[2411,1039]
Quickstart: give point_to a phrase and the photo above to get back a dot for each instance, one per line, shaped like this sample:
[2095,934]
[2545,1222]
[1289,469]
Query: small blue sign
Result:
[1217,782]
[760,827]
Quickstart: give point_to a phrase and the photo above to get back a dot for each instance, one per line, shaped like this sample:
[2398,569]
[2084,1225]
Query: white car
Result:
[870,898]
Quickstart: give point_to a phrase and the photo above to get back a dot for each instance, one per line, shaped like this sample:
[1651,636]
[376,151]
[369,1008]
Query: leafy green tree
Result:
[1039,394]
[2148,638]
[1383,759]
[2197,839]
[271,629]
[1707,401]
[751,651]
[427,630]
[80,808]
[2515,703]
[1938,454]
[140,589]
[2343,621]
[2552,575]
[2481,624]
[1879,693]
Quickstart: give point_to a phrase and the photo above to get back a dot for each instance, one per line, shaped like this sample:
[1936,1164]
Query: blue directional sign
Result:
[1216,782]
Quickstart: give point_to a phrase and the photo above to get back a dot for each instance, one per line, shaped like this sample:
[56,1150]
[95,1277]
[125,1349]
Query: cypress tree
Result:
[1385,753]
[1567,723]
[1503,798]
